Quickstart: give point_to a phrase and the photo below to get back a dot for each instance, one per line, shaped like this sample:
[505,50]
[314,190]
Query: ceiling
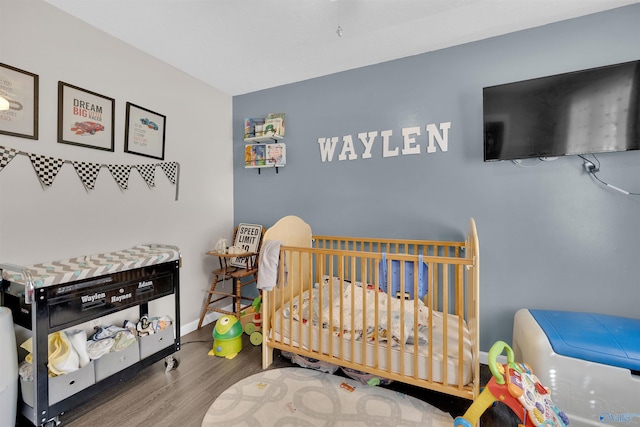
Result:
[241,46]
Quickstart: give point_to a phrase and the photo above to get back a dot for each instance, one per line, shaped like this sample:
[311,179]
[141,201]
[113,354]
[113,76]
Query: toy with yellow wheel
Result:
[253,328]
[255,336]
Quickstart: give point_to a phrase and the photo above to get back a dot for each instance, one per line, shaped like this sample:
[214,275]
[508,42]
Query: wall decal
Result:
[437,137]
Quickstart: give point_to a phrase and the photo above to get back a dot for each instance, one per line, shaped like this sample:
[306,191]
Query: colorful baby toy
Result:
[517,387]
[227,337]
[254,328]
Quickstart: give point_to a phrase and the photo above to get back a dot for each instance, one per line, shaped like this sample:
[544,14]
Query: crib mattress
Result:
[300,335]
[85,267]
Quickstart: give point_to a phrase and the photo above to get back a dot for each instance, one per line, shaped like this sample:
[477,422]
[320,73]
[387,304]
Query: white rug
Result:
[304,397]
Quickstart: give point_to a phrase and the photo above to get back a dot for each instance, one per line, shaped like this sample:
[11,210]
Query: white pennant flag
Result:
[6,155]
[148,173]
[46,167]
[170,170]
[121,174]
[88,173]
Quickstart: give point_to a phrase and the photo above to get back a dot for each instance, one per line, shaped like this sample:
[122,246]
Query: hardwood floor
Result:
[182,396]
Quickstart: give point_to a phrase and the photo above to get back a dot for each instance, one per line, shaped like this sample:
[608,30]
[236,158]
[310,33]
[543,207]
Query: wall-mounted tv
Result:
[590,111]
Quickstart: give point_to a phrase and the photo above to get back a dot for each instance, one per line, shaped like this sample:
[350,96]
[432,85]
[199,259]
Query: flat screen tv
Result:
[590,111]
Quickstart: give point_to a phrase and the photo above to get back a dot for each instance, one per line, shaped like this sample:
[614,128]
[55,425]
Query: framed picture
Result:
[144,132]
[18,89]
[85,118]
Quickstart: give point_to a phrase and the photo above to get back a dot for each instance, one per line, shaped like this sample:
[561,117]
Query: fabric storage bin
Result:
[9,363]
[116,361]
[153,343]
[62,386]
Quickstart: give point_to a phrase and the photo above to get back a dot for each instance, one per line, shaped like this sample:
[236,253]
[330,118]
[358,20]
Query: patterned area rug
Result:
[304,397]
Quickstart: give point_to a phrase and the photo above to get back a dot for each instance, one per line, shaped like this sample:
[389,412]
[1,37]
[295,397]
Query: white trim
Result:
[484,358]
[209,318]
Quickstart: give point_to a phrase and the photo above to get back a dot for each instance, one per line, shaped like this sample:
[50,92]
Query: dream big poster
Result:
[85,118]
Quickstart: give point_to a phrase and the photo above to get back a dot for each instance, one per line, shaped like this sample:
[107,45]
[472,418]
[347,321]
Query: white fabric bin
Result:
[9,364]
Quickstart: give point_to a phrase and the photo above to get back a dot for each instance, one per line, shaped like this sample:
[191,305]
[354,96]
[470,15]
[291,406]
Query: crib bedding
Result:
[357,307]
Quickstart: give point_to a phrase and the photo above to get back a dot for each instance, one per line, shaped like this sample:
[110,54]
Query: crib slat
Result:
[460,313]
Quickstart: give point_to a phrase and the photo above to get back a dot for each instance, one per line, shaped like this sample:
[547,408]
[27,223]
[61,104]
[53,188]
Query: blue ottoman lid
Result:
[600,338]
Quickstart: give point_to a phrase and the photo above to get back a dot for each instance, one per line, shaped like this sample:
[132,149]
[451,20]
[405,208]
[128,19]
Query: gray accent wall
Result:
[550,237]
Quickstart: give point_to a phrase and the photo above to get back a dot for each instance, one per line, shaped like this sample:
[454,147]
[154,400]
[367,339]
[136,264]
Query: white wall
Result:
[64,220]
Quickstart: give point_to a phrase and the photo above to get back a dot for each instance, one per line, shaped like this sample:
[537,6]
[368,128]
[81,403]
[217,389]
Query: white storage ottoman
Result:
[590,362]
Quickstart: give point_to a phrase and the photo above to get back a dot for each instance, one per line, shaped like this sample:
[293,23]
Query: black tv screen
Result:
[582,112]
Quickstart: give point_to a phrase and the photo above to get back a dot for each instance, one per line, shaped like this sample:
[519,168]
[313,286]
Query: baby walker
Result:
[517,387]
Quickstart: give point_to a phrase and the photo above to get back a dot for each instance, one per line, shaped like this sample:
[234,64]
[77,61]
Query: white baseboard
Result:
[209,318]
[484,358]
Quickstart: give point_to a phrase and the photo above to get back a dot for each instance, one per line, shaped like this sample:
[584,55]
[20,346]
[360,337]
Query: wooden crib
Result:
[402,310]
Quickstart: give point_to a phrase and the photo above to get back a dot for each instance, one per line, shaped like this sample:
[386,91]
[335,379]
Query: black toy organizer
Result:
[44,310]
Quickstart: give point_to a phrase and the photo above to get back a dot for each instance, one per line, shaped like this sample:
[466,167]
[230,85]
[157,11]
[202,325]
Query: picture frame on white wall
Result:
[85,118]
[144,132]
[18,102]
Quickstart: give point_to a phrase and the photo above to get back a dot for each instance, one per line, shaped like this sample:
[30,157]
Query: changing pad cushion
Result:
[79,268]
[600,338]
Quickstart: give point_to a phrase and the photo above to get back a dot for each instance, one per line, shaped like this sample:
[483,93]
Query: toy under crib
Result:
[516,386]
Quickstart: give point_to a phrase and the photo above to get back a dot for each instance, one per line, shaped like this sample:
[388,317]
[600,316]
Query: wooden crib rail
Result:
[364,244]
[332,272]
[337,272]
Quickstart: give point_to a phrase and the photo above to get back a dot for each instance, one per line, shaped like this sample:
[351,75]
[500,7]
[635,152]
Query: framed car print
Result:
[19,99]
[144,132]
[85,118]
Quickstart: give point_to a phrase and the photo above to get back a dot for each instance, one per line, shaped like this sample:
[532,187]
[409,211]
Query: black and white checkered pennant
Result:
[171,170]
[46,167]
[121,174]
[6,155]
[88,173]
[148,173]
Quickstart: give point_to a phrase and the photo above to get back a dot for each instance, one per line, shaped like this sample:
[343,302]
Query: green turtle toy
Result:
[227,337]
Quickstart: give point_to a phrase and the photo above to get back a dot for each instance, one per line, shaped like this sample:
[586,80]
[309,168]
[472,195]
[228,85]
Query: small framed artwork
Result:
[18,102]
[85,118]
[144,132]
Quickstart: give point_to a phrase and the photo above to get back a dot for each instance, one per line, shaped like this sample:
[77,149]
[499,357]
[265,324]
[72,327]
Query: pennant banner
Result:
[170,170]
[121,174]
[148,173]
[47,169]
[88,173]
[6,155]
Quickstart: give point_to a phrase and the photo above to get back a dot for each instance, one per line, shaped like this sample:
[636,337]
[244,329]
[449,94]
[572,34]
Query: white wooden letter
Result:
[410,146]
[386,152]
[434,135]
[367,140]
[347,147]
[327,148]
